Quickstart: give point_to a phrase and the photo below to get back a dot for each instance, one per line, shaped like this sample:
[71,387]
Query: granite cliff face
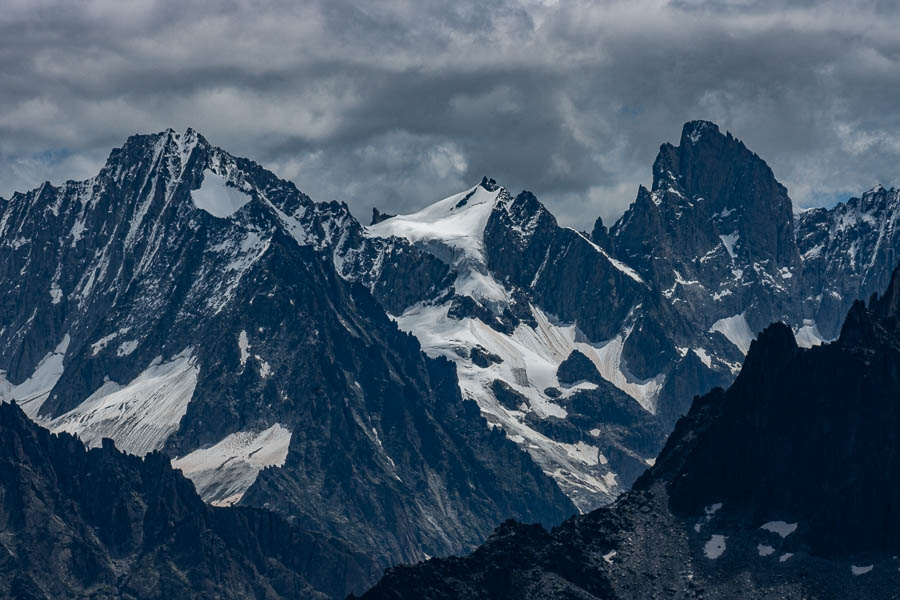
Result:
[717,236]
[782,486]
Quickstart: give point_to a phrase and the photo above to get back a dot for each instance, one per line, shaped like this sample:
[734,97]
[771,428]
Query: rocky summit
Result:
[782,486]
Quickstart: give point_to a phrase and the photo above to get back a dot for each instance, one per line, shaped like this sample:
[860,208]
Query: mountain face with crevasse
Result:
[782,486]
[187,301]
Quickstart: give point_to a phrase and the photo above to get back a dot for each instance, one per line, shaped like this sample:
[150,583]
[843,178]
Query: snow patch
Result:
[719,295]
[729,242]
[813,252]
[244,347]
[714,547]
[610,480]
[780,527]
[264,369]
[223,472]
[736,330]
[384,452]
[126,348]
[808,335]
[103,342]
[861,570]
[704,356]
[34,391]
[765,550]
[77,231]
[584,452]
[139,416]
[712,509]
[216,197]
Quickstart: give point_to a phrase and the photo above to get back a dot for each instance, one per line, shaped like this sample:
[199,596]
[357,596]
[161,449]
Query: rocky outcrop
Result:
[378,216]
[578,368]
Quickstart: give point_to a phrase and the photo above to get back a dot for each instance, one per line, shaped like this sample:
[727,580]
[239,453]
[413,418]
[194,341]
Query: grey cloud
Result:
[402,102]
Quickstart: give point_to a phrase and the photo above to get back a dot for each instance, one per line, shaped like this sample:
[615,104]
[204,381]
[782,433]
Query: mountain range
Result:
[186,301]
[401,388]
[782,486]
[664,304]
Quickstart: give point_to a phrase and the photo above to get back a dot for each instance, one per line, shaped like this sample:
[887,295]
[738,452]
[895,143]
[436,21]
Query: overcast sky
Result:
[400,103]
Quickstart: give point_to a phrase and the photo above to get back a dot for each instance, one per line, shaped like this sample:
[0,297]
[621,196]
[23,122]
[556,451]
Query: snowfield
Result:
[217,198]
[223,472]
[140,415]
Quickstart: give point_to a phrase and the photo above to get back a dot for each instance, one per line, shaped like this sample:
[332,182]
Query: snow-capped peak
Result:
[453,227]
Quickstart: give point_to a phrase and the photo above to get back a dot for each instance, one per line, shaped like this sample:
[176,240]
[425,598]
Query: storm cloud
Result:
[396,104]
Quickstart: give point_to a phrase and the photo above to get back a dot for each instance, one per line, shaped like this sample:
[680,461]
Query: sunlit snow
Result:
[530,358]
[453,230]
[456,224]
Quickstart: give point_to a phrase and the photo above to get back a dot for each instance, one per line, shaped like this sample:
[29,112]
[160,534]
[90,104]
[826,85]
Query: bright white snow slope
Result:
[453,229]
